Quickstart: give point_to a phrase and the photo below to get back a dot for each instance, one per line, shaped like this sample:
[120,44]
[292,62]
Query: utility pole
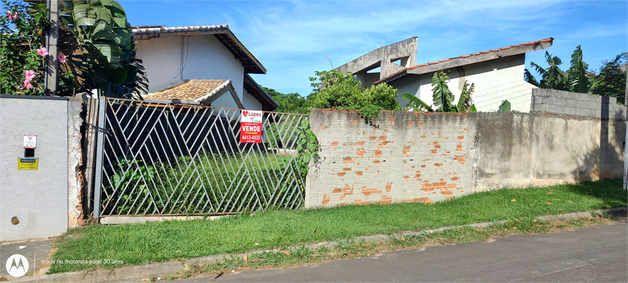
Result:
[52,39]
[626,138]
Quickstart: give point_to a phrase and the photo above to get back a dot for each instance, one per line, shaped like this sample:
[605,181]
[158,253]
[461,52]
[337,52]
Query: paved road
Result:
[593,254]
[34,251]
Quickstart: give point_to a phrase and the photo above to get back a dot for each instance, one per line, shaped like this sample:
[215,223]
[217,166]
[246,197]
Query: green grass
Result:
[156,242]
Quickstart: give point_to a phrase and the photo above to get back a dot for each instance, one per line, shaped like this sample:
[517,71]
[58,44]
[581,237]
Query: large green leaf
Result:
[108,54]
[416,104]
[442,96]
[464,102]
[504,107]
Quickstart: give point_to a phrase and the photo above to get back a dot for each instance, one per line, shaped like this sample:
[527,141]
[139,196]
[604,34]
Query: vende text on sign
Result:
[251,126]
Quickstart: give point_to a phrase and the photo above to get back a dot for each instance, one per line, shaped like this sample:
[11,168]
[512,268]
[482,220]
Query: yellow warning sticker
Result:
[27,163]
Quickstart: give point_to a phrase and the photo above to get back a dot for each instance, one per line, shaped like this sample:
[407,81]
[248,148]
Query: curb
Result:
[162,270]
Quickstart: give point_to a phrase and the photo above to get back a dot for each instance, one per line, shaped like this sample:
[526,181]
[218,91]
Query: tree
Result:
[442,97]
[96,47]
[23,53]
[551,77]
[611,79]
[289,103]
[333,89]
[574,79]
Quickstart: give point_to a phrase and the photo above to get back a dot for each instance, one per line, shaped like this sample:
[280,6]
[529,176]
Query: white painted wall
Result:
[203,57]
[250,102]
[162,59]
[225,101]
[209,59]
[495,81]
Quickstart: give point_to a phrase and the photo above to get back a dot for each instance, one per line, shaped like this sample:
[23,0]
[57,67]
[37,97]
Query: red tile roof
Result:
[189,90]
[550,39]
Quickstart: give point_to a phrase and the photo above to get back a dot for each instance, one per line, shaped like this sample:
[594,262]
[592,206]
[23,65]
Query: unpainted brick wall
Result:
[429,157]
[403,157]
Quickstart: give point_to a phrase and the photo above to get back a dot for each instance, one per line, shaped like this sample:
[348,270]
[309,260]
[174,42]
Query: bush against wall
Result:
[333,89]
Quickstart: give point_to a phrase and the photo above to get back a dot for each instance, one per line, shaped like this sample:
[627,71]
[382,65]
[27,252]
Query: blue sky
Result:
[291,38]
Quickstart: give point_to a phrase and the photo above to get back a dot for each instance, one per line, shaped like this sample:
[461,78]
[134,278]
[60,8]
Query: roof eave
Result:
[268,103]
[483,57]
[469,59]
[159,32]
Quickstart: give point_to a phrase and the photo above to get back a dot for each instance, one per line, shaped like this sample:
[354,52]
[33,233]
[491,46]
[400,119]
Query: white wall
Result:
[208,58]
[225,101]
[162,59]
[38,198]
[203,57]
[495,81]
[250,102]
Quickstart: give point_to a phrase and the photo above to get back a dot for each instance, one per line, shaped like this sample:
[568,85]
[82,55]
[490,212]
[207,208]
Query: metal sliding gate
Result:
[180,159]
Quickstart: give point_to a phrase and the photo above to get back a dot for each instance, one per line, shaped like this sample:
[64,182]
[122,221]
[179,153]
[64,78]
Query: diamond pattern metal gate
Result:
[180,159]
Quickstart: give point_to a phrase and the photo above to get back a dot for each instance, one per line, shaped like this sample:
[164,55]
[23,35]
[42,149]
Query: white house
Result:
[206,64]
[497,74]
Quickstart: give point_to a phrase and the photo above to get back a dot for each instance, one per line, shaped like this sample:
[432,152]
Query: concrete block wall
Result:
[429,157]
[577,104]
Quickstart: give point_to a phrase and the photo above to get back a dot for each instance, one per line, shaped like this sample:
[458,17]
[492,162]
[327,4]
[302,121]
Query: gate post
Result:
[102,102]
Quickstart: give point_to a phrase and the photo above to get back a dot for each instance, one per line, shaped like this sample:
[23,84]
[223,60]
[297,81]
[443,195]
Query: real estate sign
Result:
[251,126]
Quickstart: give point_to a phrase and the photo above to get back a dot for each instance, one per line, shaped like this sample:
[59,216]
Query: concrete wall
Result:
[578,104]
[495,81]
[38,198]
[382,58]
[170,60]
[420,157]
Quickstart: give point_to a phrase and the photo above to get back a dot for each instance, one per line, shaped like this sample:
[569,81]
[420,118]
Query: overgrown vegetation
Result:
[333,89]
[198,186]
[155,242]
[610,80]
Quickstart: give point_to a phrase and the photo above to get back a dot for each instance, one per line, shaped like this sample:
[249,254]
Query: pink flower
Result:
[27,84]
[30,75]
[62,58]
[11,17]
[42,52]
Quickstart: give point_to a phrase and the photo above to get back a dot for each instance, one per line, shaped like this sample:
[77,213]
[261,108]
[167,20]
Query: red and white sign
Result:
[30,141]
[251,126]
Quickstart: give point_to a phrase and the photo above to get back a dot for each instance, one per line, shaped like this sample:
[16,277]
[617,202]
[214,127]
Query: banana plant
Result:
[106,59]
[576,75]
[442,97]
[551,77]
